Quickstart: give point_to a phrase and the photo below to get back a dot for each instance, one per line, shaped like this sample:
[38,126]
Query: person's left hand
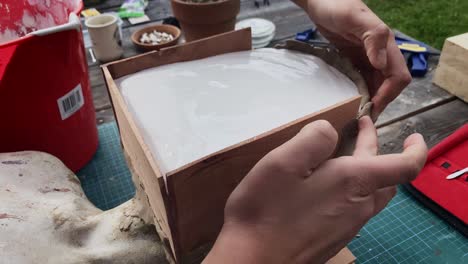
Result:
[367,41]
[295,206]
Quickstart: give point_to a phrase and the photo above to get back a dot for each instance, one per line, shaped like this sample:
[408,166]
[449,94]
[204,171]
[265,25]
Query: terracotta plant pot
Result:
[200,20]
[174,31]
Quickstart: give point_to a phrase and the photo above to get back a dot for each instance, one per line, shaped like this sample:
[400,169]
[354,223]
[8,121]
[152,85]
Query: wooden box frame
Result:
[188,203]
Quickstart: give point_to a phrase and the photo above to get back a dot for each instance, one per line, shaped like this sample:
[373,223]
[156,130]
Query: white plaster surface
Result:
[45,217]
[191,109]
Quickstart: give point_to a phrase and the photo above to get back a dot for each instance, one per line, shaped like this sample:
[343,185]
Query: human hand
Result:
[356,31]
[295,206]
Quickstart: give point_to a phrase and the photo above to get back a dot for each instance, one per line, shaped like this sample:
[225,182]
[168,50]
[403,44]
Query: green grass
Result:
[430,21]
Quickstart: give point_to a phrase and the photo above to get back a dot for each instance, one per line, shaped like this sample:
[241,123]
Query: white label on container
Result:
[71,102]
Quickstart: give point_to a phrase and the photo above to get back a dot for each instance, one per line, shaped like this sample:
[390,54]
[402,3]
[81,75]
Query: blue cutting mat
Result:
[404,232]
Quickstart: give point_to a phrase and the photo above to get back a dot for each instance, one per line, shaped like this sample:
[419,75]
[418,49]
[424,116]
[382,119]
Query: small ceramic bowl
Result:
[174,31]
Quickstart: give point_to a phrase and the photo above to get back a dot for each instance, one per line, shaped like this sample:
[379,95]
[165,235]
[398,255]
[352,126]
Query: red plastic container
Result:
[45,97]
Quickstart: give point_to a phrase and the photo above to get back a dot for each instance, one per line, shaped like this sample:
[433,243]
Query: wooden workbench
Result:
[422,107]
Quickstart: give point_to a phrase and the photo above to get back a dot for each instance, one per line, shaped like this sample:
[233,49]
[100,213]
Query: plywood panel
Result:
[140,161]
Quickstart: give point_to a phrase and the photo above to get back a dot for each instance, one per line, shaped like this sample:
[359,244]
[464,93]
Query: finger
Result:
[382,197]
[396,76]
[375,43]
[314,144]
[372,32]
[366,144]
[342,40]
[375,36]
[393,169]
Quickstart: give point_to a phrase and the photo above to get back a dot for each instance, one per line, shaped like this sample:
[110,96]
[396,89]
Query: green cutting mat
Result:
[106,180]
[404,232]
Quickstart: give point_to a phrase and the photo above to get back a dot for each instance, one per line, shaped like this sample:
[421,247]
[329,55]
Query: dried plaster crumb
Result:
[156,37]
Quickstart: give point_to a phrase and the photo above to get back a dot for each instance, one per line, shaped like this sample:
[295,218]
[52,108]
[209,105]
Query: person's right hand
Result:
[296,206]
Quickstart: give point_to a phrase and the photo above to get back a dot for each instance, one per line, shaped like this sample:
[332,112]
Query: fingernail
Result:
[363,120]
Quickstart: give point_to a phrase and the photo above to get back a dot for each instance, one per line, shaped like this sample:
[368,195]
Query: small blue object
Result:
[415,53]
[418,64]
[307,35]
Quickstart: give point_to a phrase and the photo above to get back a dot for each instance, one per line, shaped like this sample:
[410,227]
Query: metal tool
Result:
[457,174]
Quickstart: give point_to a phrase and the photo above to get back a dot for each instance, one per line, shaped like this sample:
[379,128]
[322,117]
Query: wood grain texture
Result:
[419,94]
[102,5]
[157,10]
[141,161]
[205,184]
[224,43]
[343,257]
[99,90]
[287,17]
[434,125]
[105,116]
[452,71]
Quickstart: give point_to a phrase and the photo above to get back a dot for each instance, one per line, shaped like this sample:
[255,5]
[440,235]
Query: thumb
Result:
[375,43]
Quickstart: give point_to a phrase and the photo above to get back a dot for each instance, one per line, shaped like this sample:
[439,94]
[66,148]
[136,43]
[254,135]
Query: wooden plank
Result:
[224,43]
[199,185]
[420,94]
[434,125]
[287,17]
[105,115]
[452,72]
[157,10]
[102,5]
[345,256]
[141,161]
[100,96]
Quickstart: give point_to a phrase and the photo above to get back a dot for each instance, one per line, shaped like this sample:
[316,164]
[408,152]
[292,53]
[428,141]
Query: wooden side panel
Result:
[224,43]
[345,256]
[141,160]
[452,72]
[199,190]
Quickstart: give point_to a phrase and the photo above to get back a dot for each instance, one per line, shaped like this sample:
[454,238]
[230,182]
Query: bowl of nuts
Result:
[156,37]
